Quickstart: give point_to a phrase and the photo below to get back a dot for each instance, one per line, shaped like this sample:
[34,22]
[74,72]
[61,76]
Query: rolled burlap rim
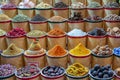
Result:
[10,77]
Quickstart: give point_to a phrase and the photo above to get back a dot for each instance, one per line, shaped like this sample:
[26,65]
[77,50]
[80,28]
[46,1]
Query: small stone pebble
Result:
[6,70]
[53,71]
[38,17]
[28,71]
[112,17]
[16,32]
[102,72]
[97,32]
[60,5]
[102,50]
[76,17]
[77,32]
[116,51]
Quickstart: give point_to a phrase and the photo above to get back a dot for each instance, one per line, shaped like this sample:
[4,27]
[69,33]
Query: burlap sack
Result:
[23,25]
[74,41]
[76,24]
[83,12]
[99,1]
[109,11]
[47,13]
[62,25]
[64,12]
[11,77]
[28,12]
[95,11]
[65,1]
[84,60]
[93,41]
[5,25]
[116,61]
[46,1]
[111,24]
[3,43]
[107,1]
[113,41]
[16,2]
[18,41]
[10,12]
[39,60]
[42,41]
[61,61]
[16,60]
[42,26]
[89,25]
[101,60]
[82,1]
[85,77]
[56,40]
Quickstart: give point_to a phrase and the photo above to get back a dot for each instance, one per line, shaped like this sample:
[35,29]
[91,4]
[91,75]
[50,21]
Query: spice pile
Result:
[12,50]
[4,17]
[80,50]
[53,71]
[112,17]
[28,71]
[77,70]
[94,5]
[77,5]
[6,70]
[76,17]
[94,18]
[56,31]
[9,5]
[102,50]
[38,17]
[2,32]
[43,5]
[16,32]
[112,5]
[57,51]
[115,31]
[102,72]
[26,4]
[60,5]
[57,19]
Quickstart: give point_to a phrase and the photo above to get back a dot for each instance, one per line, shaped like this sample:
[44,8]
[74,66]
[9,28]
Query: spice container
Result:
[37,35]
[9,9]
[58,21]
[61,8]
[5,23]
[7,72]
[75,37]
[112,20]
[53,73]
[103,73]
[113,37]
[3,40]
[21,21]
[111,8]
[44,10]
[76,21]
[116,59]
[12,55]
[94,8]
[59,54]
[72,72]
[56,36]
[26,7]
[93,22]
[96,37]
[35,55]
[30,72]
[38,23]
[76,1]
[80,54]
[102,55]
[117,74]
[78,7]
[17,36]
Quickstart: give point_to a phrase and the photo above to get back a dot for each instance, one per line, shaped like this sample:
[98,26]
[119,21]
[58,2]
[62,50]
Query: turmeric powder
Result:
[57,51]
[80,50]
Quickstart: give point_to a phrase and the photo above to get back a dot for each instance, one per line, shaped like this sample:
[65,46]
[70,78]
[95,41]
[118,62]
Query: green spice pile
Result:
[2,32]
[20,18]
